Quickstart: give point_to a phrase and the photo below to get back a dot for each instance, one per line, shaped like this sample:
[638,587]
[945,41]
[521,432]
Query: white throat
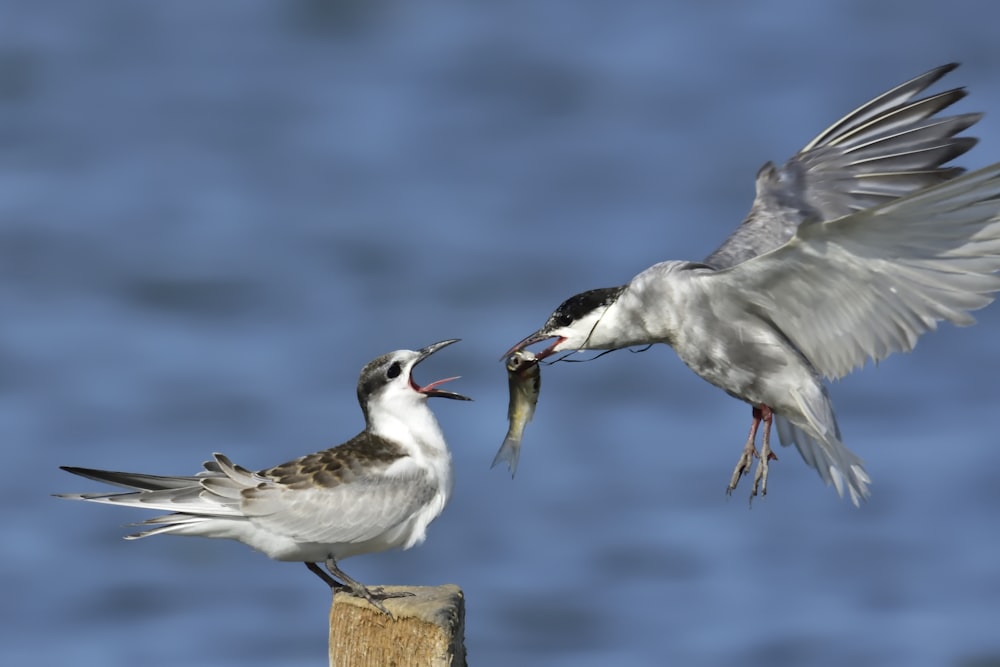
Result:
[402,415]
[408,421]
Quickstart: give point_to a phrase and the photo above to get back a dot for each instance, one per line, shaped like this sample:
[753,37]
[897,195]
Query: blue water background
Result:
[212,214]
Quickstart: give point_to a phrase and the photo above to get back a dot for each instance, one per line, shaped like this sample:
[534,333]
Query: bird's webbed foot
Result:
[747,456]
[766,455]
[763,413]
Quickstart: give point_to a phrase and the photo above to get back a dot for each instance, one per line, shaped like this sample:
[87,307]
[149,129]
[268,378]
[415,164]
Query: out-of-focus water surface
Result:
[213,214]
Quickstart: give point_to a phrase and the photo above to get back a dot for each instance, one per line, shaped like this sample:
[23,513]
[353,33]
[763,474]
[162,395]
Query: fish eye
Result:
[394,370]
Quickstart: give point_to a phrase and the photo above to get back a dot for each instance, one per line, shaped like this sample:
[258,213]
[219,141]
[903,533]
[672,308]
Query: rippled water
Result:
[213,214]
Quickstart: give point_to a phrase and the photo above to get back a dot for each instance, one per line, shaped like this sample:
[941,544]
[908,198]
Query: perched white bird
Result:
[377,491]
[859,244]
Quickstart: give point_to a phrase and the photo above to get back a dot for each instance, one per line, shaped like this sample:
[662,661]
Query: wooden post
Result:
[426,630]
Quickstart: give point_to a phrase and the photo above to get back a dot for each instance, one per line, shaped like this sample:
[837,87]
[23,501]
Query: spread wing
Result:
[869,284]
[887,148]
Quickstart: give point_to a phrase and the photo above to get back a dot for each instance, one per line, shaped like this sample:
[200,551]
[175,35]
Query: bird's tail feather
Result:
[818,441]
[206,494]
[132,480]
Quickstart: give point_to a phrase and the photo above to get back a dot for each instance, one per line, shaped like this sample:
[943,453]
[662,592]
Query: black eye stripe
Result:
[394,370]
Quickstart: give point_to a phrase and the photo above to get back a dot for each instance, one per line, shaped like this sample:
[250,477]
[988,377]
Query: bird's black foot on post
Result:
[374,595]
[330,581]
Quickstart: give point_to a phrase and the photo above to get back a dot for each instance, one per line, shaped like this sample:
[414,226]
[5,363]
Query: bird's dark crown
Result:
[580,304]
[374,376]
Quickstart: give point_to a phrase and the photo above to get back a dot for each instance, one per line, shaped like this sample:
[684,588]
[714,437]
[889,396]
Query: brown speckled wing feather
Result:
[341,494]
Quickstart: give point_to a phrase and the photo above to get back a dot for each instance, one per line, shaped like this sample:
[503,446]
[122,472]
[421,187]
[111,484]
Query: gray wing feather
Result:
[869,284]
[133,480]
[889,147]
[184,494]
[346,509]
[351,512]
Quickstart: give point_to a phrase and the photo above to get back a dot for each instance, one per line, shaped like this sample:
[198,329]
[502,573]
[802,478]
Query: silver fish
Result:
[524,379]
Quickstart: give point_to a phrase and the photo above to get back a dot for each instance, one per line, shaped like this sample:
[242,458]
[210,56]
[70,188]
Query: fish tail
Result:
[510,450]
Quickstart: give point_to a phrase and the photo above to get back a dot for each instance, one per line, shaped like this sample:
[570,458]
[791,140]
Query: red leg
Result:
[749,450]
[766,455]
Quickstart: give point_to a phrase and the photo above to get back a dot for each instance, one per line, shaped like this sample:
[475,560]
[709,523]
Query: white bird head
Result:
[577,324]
[388,380]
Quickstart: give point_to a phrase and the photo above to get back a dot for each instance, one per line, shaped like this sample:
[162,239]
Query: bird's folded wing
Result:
[350,512]
[869,284]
